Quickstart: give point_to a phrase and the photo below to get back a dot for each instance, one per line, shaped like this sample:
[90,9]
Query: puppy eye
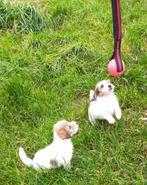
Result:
[102,86]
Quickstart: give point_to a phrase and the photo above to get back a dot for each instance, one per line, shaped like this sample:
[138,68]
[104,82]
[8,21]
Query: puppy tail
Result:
[24,158]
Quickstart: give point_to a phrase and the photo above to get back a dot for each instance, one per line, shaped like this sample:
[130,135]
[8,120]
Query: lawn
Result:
[51,54]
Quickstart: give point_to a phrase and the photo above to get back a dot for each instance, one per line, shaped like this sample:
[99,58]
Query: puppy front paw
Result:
[108,117]
[118,114]
[111,121]
[91,119]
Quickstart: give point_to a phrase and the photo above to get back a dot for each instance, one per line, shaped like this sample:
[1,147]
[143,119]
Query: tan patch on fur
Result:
[63,133]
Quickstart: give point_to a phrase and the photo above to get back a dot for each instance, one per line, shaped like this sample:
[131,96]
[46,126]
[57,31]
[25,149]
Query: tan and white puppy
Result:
[58,153]
[103,103]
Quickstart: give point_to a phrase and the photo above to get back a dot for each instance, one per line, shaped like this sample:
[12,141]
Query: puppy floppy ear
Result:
[73,128]
[91,95]
[96,93]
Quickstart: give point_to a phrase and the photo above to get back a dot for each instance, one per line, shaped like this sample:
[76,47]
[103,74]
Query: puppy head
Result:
[65,129]
[103,87]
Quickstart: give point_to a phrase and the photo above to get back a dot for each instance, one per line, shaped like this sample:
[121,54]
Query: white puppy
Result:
[58,153]
[103,103]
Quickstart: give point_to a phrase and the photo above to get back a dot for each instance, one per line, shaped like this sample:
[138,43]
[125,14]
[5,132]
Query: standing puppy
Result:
[58,153]
[103,103]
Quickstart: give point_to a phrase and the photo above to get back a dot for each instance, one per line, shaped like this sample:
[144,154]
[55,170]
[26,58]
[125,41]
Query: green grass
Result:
[21,19]
[46,72]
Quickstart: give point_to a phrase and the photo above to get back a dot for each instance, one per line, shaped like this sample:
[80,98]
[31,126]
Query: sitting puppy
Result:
[103,103]
[58,153]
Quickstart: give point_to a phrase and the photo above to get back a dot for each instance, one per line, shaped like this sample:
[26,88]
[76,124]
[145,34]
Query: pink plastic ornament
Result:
[112,68]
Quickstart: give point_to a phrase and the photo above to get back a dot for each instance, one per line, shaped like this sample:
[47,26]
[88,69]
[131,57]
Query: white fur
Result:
[104,105]
[58,153]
